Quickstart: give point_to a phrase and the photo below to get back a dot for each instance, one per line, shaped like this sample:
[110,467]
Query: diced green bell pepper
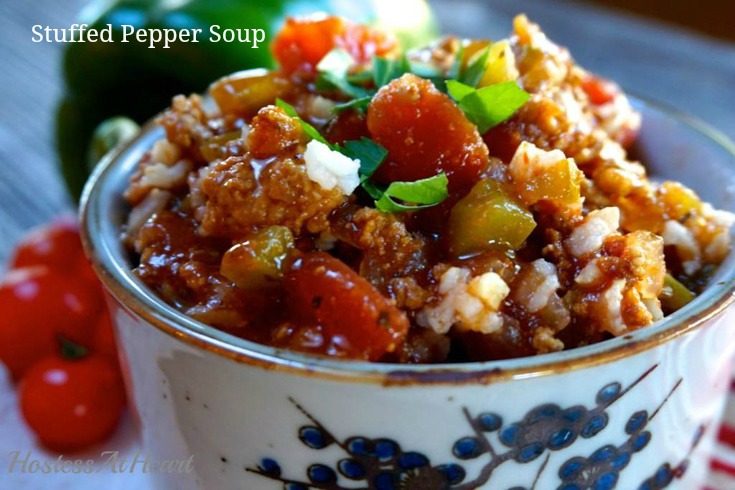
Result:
[675,295]
[488,217]
[258,262]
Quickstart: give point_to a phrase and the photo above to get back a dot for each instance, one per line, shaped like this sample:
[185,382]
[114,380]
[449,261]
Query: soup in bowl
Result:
[444,269]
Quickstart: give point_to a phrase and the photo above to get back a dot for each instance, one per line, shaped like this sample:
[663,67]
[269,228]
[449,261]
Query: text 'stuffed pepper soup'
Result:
[469,201]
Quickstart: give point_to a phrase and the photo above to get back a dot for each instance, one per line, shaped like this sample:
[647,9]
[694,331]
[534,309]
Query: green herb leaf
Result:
[428,72]
[360,104]
[489,106]
[386,70]
[431,190]
[370,154]
[375,191]
[360,78]
[329,81]
[310,130]
[456,68]
[440,83]
[459,90]
[472,73]
[333,72]
[420,194]
[424,70]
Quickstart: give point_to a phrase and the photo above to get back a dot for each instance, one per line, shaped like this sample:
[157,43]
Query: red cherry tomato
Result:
[72,404]
[83,270]
[56,246]
[37,306]
[104,337]
[324,291]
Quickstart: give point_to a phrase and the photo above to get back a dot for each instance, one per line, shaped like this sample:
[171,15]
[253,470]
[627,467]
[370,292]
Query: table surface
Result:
[687,71]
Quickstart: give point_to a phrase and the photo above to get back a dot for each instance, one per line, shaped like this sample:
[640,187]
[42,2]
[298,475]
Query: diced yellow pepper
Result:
[245,92]
[472,49]
[559,184]
[258,262]
[678,200]
[500,66]
[488,217]
[542,175]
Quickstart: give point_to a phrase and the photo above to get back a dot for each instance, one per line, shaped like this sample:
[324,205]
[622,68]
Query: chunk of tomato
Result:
[504,139]
[323,290]
[599,90]
[303,42]
[425,133]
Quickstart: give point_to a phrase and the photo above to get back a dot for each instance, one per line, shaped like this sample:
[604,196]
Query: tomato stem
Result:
[70,350]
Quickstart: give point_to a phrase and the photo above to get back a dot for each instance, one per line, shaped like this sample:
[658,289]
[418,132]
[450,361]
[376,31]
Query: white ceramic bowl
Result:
[639,411]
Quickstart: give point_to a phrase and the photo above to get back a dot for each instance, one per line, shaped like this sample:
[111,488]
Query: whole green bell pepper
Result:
[105,79]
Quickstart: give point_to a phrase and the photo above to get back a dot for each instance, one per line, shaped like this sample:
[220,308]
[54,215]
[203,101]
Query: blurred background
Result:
[710,17]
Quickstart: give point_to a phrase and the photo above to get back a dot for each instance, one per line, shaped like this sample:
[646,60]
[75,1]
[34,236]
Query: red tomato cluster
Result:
[303,42]
[56,341]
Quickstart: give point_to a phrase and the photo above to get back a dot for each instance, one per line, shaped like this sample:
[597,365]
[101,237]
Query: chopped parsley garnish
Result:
[425,70]
[333,73]
[360,78]
[485,107]
[456,67]
[374,190]
[459,90]
[385,70]
[415,195]
[310,130]
[370,154]
[488,106]
[472,73]
[420,194]
[360,104]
